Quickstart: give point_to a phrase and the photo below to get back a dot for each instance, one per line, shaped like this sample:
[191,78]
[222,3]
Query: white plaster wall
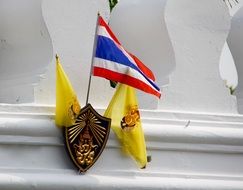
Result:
[235,7]
[198,30]
[140,27]
[235,41]
[71,25]
[25,49]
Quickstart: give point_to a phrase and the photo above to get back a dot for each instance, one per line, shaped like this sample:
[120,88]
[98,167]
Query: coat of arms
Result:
[86,139]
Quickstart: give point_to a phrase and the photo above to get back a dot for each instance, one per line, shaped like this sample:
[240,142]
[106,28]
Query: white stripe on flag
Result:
[122,69]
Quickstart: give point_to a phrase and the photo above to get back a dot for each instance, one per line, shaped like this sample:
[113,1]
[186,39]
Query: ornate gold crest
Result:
[129,121]
[74,108]
[86,139]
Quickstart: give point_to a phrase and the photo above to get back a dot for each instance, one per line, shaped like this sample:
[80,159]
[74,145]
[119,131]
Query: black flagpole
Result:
[92,59]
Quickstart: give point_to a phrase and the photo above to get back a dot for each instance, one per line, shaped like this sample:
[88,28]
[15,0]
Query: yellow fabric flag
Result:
[67,105]
[126,123]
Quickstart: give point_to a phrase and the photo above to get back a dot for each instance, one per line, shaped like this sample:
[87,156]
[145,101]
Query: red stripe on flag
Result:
[143,68]
[103,23]
[123,78]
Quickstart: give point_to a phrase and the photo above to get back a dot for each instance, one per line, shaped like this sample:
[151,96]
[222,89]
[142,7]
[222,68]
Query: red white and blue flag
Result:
[113,62]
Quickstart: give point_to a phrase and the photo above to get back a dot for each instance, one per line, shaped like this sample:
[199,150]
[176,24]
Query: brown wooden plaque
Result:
[86,139]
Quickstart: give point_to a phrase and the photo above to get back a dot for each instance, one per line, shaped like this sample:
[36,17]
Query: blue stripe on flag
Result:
[107,50]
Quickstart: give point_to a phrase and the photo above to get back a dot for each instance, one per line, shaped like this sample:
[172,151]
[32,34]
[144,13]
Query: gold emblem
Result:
[74,108]
[85,149]
[130,120]
[87,138]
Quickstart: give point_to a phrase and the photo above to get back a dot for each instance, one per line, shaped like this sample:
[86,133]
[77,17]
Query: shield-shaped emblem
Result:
[86,139]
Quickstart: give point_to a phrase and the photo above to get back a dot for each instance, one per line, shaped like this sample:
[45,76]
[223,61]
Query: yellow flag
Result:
[67,105]
[126,123]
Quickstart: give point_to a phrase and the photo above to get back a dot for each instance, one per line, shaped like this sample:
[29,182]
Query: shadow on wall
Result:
[25,49]
[228,70]
[235,41]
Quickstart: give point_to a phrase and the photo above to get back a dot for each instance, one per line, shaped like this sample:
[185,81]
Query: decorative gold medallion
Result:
[86,139]
[130,120]
[74,108]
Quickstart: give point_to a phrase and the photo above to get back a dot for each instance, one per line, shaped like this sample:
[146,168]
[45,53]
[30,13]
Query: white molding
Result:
[208,150]
[76,182]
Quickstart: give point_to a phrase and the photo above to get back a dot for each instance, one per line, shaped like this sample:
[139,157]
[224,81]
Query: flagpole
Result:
[92,59]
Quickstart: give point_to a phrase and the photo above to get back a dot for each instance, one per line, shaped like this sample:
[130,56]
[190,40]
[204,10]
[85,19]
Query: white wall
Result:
[190,64]
[184,45]
[71,25]
[25,49]
[140,27]
[32,32]
[198,30]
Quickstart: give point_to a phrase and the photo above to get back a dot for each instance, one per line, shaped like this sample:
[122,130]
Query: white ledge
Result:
[193,148]
[163,130]
[78,182]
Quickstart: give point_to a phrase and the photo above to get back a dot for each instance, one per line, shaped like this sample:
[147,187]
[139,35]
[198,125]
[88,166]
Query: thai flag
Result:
[113,62]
